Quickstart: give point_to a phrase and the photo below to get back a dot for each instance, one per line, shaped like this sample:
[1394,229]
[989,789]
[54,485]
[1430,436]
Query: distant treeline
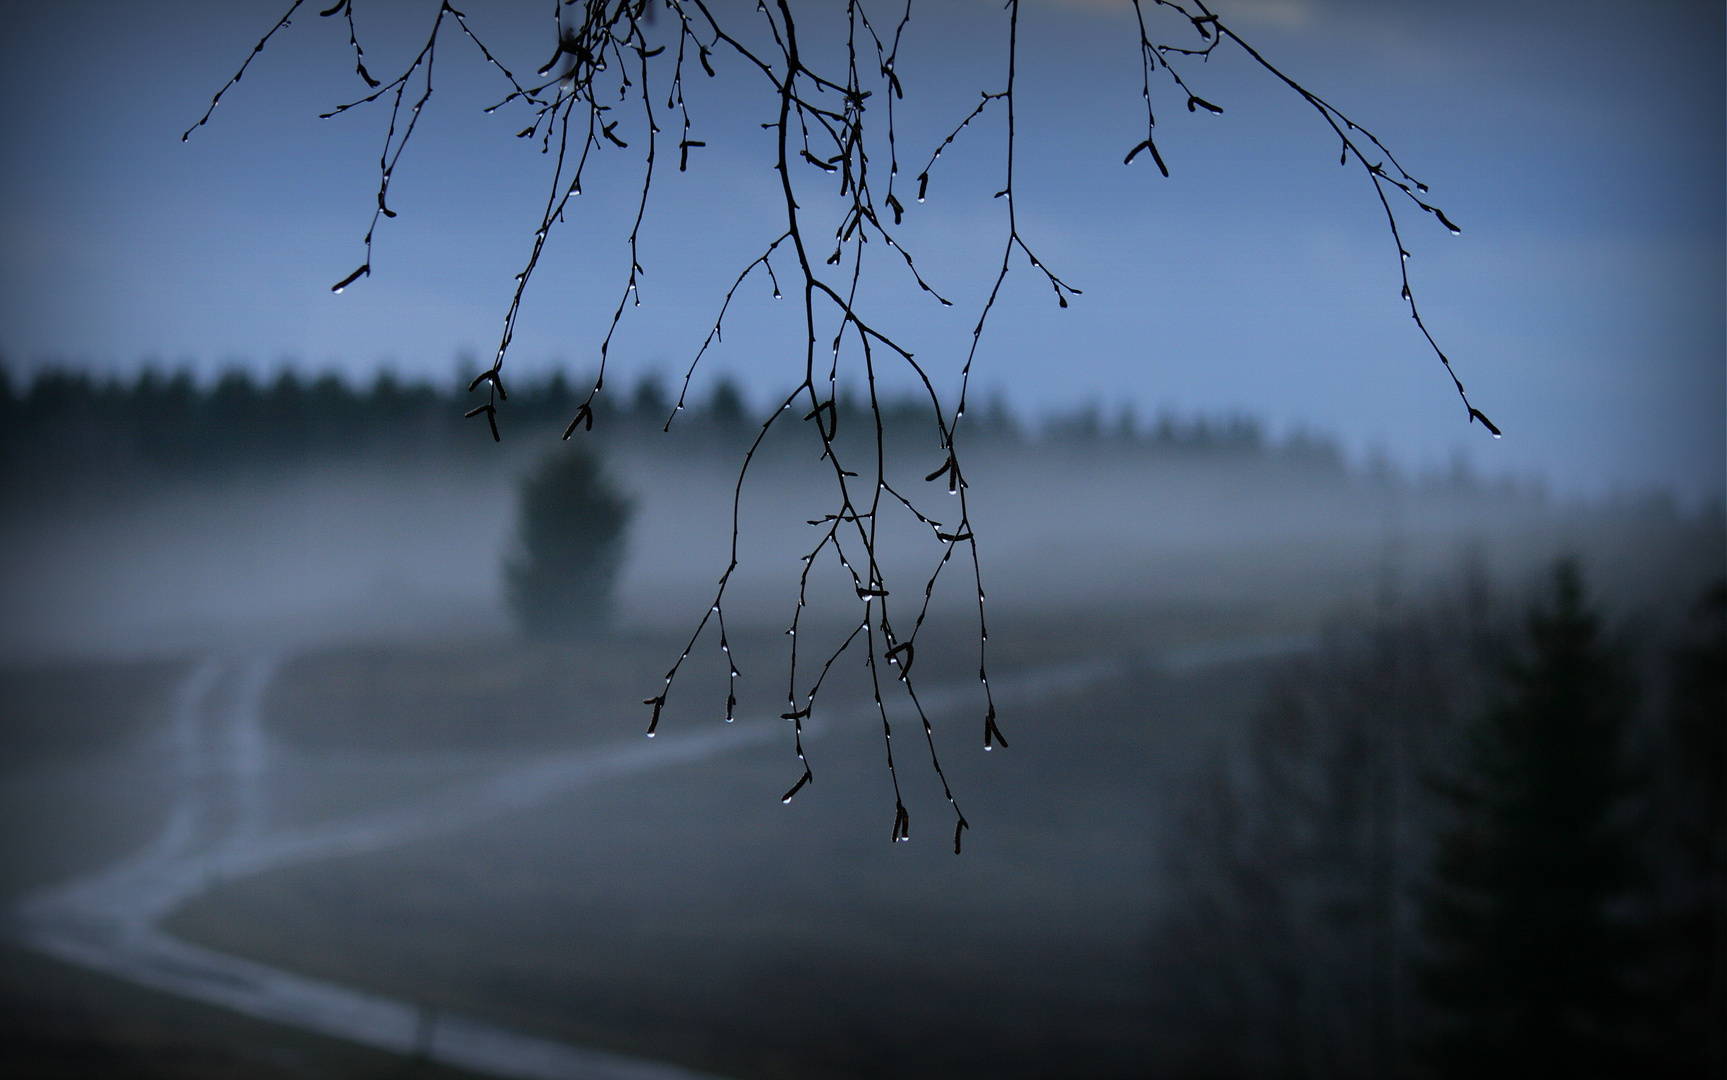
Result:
[173,421]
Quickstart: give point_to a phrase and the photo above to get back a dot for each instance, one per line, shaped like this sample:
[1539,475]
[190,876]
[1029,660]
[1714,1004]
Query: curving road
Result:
[219,829]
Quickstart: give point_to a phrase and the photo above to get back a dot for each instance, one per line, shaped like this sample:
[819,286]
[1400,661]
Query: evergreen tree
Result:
[1535,949]
[1692,816]
[726,405]
[571,544]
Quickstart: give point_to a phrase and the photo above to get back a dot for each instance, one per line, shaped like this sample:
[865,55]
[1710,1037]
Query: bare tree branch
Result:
[598,94]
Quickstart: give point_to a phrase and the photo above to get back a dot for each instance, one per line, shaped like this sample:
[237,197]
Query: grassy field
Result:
[681,914]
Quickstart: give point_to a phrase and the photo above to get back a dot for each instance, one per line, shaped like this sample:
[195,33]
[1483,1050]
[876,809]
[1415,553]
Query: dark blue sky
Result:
[1579,146]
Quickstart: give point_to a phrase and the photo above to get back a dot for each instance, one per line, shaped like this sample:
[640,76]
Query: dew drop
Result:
[1496,435]
[650,734]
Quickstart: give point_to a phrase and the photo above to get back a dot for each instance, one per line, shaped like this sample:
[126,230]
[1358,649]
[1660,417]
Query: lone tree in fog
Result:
[1529,910]
[569,545]
[624,76]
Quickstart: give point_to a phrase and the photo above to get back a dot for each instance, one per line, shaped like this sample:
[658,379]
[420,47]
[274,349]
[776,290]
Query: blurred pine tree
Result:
[570,535]
[1691,982]
[1531,908]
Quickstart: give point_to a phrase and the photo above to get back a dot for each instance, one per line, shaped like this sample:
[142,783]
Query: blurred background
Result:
[322,712]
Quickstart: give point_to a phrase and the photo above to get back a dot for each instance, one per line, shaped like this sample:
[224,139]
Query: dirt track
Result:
[240,816]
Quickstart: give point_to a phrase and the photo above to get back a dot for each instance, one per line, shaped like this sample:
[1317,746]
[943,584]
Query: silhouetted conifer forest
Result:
[1481,837]
[171,422]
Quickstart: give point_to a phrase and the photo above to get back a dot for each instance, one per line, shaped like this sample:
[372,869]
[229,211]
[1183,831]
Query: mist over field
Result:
[287,792]
[128,551]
